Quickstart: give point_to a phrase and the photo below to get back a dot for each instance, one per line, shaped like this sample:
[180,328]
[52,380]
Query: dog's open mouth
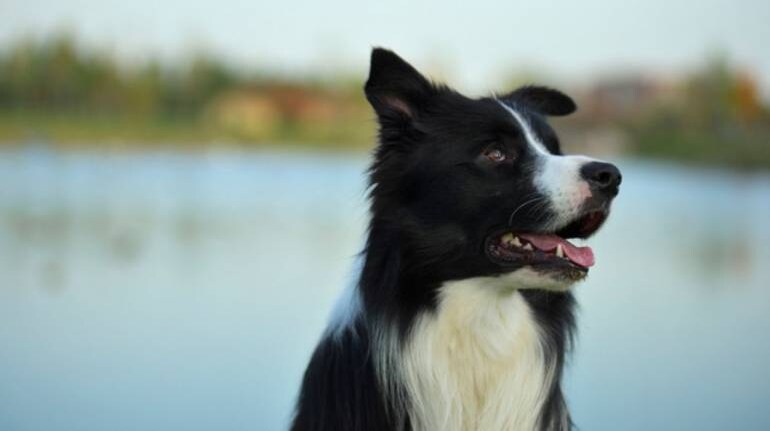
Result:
[547,249]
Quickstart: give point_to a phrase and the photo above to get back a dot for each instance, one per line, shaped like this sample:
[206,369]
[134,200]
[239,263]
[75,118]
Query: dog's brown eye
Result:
[494,154]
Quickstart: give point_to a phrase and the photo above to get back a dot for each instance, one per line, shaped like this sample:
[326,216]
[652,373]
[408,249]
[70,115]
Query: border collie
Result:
[463,314]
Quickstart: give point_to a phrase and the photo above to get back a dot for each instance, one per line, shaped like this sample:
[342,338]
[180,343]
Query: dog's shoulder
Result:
[340,391]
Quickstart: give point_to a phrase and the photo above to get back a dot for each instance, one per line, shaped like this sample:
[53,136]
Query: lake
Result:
[163,291]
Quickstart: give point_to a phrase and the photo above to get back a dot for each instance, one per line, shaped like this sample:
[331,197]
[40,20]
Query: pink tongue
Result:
[582,256]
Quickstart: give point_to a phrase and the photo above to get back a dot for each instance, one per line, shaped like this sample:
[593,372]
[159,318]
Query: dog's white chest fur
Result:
[477,363]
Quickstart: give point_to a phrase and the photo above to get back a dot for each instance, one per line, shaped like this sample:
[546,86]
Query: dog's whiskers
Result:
[513,214]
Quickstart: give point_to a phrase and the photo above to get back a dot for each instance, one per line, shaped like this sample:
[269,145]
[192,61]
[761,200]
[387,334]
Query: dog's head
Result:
[479,187]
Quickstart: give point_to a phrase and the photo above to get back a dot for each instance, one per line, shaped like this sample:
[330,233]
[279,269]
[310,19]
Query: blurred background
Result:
[182,197]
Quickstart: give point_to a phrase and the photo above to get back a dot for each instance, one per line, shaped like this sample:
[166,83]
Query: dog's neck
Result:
[480,354]
[477,363]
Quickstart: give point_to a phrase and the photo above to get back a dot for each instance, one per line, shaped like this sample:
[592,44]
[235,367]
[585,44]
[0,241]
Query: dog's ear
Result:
[395,89]
[545,100]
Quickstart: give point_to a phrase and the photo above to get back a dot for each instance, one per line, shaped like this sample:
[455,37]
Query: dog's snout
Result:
[602,176]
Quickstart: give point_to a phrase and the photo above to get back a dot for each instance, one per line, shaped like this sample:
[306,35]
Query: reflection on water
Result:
[169,291]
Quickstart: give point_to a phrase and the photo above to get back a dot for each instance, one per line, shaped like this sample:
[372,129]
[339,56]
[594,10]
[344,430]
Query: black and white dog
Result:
[462,314]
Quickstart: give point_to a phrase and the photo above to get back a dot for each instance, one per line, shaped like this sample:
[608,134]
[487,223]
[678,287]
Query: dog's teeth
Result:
[559,251]
[516,242]
[507,238]
[528,247]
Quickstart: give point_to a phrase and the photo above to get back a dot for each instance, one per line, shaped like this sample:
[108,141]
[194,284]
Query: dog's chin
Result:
[545,259]
[537,278]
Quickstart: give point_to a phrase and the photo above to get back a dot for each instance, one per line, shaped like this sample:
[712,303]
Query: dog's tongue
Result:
[582,256]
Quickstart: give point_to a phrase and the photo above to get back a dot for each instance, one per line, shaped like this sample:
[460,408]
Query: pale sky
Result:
[476,44]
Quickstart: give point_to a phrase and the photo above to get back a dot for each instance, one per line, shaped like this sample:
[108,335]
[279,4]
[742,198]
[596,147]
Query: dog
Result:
[462,315]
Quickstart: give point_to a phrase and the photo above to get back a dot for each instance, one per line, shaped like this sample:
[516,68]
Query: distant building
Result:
[256,112]
[626,97]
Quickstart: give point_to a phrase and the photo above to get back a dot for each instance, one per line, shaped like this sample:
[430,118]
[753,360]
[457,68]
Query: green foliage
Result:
[717,118]
[54,75]
[55,89]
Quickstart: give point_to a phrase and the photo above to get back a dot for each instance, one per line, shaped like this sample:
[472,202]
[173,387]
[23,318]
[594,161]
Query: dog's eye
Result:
[494,154]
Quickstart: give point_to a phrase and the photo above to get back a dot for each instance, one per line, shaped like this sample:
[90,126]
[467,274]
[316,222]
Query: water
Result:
[170,291]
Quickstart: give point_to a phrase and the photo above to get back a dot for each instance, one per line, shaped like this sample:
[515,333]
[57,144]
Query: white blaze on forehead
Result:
[532,139]
[557,177]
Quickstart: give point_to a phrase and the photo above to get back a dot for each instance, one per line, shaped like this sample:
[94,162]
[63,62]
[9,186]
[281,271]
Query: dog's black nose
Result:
[602,176]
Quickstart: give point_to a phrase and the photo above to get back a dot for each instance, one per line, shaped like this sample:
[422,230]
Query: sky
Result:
[473,46]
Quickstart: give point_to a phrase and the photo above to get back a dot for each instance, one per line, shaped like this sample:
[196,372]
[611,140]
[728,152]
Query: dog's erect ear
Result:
[395,88]
[545,100]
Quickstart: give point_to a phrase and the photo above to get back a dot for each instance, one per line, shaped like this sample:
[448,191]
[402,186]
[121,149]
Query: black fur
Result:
[340,390]
[435,200]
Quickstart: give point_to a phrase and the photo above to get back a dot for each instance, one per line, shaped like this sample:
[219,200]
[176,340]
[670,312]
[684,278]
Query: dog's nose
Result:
[602,176]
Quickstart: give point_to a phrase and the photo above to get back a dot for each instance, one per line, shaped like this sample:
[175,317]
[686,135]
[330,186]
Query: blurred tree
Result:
[56,87]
